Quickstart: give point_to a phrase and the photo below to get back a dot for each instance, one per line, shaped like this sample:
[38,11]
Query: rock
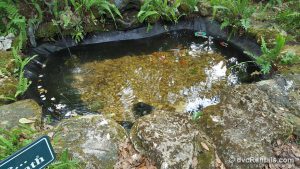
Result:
[246,122]
[123,4]
[11,114]
[284,91]
[7,88]
[97,140]
[172,140]
[204,8]
[5,42]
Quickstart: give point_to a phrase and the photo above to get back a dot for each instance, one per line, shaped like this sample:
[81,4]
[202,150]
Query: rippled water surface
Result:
[174,71]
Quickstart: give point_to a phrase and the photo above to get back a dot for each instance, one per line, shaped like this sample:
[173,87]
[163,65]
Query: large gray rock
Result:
[11,114]
[247,120]
[284,91]
[93,140]
[172,140]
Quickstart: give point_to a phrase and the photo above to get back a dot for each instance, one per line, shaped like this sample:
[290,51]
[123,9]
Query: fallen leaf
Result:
[26,121]
[204,146]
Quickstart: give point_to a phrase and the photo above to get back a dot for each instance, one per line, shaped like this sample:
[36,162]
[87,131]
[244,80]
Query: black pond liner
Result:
[48,50]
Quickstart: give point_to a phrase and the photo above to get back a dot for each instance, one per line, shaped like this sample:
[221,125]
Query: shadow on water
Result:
[60,99]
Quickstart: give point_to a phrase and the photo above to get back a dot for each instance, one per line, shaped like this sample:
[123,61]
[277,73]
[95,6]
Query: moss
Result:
[268,34]
[47,30]
[6,61]
[205,159]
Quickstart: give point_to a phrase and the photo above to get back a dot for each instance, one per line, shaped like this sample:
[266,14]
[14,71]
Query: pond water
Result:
[175,71]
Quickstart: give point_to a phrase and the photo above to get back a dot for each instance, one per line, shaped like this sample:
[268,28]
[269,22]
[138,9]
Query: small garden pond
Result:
[174,71]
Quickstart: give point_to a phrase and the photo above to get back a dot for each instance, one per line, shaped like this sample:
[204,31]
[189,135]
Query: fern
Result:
[233,13]
[152,10]
[16,24]
[269,56]
[23,83]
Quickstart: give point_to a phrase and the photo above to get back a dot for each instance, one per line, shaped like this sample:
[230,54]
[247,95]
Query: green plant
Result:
[152,10]
[289,18]
[15,22]
[23,82]
[289,58]
[14,139]
[233,13]
[269,56]
[103,7]
[65,162]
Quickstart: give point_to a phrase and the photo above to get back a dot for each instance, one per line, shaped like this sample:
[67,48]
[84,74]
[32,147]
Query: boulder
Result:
[172,140]
[92,139]
[247,120]
[25,111]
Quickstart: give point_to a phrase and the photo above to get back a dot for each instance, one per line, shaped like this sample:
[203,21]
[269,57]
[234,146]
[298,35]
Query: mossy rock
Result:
[7,89]
[11,114]
[92,139]
[6,61]
[172,140]
[247,121]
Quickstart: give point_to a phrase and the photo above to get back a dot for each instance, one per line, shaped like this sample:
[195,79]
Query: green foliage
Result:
[289,18]
[152,10]
[269,56]
[275,2]
[289,58]
[23,82]
[14,139]
[64,162]
[233,13]
[16,23]
[103,7]
[75,12]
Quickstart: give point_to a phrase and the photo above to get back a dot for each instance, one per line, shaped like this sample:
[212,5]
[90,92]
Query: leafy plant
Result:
[23,82]
[289,18]
[103,7]
[289,58]
[233,13]
[152,10]
[269,56]
[16,23]
[14,139]
[64,162]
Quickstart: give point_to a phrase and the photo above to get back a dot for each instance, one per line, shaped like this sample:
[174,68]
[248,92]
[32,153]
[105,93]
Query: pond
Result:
[174,71]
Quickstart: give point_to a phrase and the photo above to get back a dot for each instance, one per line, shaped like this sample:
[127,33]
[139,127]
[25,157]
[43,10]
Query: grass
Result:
[14,139]
[64,161]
